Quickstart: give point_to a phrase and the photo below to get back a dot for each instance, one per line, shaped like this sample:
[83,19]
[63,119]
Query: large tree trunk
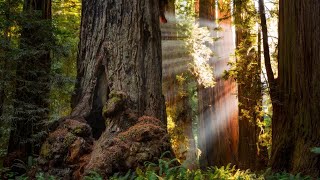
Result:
[218,105]
[251,155]
[296,124]
[119,52]
[119,80]
[32,79]
[205,100]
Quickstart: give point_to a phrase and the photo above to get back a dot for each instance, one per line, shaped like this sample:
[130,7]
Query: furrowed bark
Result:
[296,124]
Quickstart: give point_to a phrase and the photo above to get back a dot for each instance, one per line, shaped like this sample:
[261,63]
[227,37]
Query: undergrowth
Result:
[169,169]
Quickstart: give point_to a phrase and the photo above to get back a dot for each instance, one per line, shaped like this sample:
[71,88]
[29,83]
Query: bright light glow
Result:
[200,42]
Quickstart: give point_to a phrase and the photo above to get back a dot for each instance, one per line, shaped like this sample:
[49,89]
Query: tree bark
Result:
[171,9]
[119,80]
[110,61]
[217,106]
[251,154]
[205,100]
[296,123]
[266,52]
[32,79]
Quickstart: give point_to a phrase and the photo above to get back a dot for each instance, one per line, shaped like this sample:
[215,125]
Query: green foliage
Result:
[93,176]
[9,51]
[66,18]
[61,38]
[254,102]
[315,150]
[39,176]
[268,175]
[168,169]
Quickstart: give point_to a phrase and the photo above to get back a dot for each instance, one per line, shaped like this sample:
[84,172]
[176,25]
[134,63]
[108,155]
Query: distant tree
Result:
[218,127]
[295,124]
[9,36]
[31,103]
[247,72]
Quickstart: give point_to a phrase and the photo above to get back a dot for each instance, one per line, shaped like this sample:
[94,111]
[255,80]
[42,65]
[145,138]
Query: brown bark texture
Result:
[266,52]
[250,154]
[218,109]
[296,120]
[119,82]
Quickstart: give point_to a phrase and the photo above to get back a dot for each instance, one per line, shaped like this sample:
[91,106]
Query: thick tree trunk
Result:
[32,79]
[119,80]
[218,105]
[296,123]
[119,52]
[206,17]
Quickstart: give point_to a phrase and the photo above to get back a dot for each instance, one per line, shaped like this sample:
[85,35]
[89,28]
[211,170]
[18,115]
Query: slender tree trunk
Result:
[32,79]
[266,53]
[296,124]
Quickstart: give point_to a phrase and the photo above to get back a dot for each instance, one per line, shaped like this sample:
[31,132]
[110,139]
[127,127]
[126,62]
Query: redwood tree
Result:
[119,51]
[119,80]
[217,105]
[296,121]
[248,75]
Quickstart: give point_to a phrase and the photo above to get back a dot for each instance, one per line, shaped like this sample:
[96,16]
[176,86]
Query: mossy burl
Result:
[114,103]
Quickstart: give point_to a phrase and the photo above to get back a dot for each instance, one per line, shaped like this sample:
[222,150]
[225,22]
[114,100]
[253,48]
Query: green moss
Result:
[70,138]
[45,150]
[112,106]
[77,130]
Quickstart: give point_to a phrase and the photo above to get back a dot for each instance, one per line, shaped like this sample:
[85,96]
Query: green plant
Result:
[93,176]
[286,176]
[128,176]
[315,150]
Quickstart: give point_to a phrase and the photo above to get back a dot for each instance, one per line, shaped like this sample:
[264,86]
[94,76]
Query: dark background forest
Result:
[159,89]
